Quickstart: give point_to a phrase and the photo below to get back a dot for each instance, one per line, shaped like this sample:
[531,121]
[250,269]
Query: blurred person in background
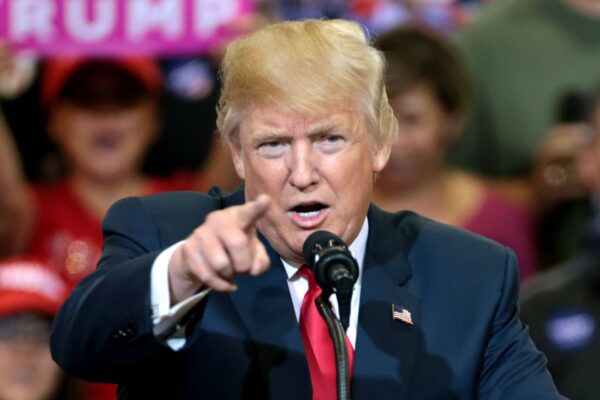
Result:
[429,92]
[30,296]
[381,16]
[562,307]
[103,114]
[22,112]
[15,205]
[526,57]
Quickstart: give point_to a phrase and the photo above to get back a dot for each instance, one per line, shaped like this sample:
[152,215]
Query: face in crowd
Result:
[310,127]
[30,295]
[27,371]
[429,93]
[426,130]
[103,120]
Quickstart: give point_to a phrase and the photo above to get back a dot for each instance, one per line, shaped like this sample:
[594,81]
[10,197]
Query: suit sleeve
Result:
[103,332]
[512,366]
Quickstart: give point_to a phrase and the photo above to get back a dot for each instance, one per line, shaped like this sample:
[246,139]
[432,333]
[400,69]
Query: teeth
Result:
[308,214]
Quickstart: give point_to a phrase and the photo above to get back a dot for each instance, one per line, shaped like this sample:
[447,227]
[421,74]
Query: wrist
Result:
[182,283]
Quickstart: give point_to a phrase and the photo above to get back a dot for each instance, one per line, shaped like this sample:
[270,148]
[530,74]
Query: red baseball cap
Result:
[57,72]
[27,284]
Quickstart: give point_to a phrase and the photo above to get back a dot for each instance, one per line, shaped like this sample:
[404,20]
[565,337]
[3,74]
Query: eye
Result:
[331,142]
[272,148]
[408,118]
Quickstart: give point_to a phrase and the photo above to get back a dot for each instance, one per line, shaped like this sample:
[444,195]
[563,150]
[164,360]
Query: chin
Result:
[107,174]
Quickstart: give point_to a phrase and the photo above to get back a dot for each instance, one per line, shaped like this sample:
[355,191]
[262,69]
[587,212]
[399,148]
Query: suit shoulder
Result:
[434,245]
[182,202]
[185,209]
[155,205]
[427,232]
[459,239]
[173,214]
[188,201]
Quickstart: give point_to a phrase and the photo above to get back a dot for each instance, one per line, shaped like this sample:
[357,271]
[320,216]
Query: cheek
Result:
[49,369]
[71,133]
[267,174]
[5,360]
[138,119]
[76,144]
[349,174]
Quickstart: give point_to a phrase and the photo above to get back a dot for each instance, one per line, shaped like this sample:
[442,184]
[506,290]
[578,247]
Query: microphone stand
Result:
[338,336]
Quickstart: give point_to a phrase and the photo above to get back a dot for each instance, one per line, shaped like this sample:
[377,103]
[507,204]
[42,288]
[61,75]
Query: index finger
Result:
[252,211]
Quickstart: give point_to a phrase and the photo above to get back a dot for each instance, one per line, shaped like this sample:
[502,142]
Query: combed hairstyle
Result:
[308,67]
[416,56]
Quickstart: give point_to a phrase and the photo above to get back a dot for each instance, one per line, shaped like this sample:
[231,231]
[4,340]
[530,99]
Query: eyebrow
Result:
[267,134]
[317,128]
[327,126]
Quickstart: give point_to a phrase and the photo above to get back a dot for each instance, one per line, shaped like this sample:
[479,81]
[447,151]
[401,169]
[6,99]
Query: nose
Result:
[303,166]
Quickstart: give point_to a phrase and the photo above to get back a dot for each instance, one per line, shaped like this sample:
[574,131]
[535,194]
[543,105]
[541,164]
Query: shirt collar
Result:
[357,248]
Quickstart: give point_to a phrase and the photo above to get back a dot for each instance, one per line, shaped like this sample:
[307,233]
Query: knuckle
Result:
[243,267]
[221,266]
[238,242]
[187,251]
[204,275]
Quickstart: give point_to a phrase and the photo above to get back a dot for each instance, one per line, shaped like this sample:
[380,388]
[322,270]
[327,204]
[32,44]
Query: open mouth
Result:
[308,210]
[309,215]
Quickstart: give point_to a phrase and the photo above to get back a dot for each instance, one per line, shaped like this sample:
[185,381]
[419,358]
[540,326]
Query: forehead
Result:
[259,121]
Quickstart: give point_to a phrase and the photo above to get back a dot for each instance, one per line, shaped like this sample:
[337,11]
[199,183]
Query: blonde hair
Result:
[310,66]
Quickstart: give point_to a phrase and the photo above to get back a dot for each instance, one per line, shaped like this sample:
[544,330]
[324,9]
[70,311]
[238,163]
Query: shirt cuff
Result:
[164,317]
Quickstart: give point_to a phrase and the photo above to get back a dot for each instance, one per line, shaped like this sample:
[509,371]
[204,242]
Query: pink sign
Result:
[113,27]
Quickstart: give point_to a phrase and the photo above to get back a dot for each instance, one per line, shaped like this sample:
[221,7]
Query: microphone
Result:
[334,268]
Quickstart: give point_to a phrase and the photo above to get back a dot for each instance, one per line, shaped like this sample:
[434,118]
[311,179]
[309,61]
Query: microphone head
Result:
[323,250]
[317,242]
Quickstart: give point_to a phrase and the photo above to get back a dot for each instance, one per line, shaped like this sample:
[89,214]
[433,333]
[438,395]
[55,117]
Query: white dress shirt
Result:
[163,315]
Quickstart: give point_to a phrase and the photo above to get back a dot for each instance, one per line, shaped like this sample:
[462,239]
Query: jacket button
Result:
[124,333]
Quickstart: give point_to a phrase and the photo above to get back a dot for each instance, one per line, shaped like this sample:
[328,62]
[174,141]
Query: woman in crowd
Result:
[429,92]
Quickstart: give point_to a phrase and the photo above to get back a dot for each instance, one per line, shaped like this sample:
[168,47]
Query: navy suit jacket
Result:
[466,341]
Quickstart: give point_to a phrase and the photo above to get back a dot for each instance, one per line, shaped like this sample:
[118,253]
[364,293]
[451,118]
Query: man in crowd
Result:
[207,295]
[562,307]
[529,60]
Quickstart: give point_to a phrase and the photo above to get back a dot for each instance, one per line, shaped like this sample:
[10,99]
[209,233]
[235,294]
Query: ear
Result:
[381,156]
[236,155]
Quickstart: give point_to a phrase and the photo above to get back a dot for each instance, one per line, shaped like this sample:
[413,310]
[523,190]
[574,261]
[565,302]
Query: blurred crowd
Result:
[498,104]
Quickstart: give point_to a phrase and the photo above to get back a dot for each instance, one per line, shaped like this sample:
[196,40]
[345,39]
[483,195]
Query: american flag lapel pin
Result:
[401,314]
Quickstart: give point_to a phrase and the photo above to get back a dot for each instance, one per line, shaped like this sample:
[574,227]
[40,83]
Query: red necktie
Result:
[318,345]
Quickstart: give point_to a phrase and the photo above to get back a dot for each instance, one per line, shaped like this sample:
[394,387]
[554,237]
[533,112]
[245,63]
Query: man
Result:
[561,306]
[528,59]
[305,114]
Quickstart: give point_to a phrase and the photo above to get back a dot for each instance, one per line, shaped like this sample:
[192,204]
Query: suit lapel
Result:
[385,347]
[266,309]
